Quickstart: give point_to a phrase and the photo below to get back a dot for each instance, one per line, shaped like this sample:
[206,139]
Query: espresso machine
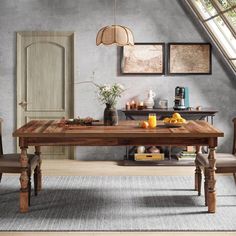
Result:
[181,101]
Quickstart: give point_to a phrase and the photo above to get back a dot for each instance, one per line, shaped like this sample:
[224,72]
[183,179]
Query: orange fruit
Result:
[140,124]
[145,125]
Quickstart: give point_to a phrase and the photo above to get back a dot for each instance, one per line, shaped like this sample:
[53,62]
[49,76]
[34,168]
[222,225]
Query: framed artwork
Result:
[143,58]
[189,58]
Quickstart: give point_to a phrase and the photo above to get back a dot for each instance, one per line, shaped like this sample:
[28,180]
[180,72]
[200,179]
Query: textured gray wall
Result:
[150,21]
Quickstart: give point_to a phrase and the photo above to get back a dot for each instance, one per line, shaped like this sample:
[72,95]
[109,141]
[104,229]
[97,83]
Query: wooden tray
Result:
[81,122]
[149,156]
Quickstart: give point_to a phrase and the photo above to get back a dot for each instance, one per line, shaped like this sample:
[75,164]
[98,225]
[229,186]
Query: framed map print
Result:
[143,58]
[189,58]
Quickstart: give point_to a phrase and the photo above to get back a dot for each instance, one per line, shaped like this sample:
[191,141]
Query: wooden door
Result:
[45,70]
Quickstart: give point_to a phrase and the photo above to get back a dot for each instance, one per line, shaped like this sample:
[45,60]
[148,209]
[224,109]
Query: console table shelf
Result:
[158,163]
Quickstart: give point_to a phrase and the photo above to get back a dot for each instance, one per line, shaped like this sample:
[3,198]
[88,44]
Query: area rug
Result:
[118,203]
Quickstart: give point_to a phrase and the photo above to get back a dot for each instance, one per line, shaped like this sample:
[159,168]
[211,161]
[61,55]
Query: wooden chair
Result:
[9,163]
[225,163]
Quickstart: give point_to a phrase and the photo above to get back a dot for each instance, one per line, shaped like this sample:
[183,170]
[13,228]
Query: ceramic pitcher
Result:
[149,102]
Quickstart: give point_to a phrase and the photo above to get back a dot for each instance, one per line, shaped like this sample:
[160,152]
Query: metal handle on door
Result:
[23,104]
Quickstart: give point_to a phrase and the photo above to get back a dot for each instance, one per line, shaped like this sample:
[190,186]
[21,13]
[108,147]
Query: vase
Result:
[110,116]
[149,102]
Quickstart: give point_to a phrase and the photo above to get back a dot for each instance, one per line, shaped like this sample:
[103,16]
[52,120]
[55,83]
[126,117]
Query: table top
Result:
[125,129]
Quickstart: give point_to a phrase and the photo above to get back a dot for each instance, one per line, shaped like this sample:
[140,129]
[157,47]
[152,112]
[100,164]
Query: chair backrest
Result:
[234,143]
[1,150]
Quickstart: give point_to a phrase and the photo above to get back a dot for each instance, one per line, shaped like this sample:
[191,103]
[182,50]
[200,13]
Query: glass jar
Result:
[152,120]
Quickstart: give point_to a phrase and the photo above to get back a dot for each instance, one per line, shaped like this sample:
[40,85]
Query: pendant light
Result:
[115,34]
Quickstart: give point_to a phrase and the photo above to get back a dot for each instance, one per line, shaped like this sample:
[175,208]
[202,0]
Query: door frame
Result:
[19,36]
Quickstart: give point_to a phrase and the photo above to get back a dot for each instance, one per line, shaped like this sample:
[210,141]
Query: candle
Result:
[127,106]
[133,105]
[140,106]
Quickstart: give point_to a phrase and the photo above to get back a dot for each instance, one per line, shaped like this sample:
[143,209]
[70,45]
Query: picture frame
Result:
[189,59]
[143,59]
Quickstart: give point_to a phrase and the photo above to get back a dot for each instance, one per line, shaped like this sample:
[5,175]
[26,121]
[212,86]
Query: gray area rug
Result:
[118,203]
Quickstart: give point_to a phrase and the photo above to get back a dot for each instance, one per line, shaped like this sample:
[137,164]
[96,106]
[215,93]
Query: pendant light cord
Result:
[114,12]
[114,21]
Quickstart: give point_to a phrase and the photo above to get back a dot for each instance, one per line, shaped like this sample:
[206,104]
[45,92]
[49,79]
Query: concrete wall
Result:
[150,21]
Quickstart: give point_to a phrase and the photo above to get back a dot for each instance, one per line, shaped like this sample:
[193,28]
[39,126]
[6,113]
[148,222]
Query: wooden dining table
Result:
[39,133]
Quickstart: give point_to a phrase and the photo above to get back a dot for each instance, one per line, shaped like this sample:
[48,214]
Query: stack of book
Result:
[187,154]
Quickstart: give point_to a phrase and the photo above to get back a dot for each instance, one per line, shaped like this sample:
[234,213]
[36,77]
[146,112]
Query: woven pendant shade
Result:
[115,34]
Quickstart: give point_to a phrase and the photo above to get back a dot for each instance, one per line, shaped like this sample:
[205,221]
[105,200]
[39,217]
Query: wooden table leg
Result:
[24,180]
[211,196]
[39,172]
[197,170]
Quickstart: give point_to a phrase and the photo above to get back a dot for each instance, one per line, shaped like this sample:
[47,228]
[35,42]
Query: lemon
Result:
[181,120]
[173,120]
[166,120]
[176,115]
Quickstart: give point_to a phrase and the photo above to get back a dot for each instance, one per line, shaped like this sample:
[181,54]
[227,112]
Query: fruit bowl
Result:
[168,124]
[175,121]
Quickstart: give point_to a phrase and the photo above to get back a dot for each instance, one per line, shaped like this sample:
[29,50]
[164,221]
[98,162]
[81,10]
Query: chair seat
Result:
[12,161]
[222,160]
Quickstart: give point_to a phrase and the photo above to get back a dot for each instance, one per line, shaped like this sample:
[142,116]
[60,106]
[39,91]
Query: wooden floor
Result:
[88,168]
[98,168]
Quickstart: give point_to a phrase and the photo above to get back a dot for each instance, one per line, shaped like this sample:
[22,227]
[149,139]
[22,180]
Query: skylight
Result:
[219,19]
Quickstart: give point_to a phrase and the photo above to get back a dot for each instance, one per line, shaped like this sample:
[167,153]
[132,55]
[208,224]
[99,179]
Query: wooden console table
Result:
[207,114]
[52,133]
[204,113]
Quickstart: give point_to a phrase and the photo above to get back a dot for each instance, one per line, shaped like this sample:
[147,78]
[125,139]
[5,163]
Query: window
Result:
[219,19]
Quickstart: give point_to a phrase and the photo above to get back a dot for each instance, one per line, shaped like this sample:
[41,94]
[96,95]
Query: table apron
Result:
[109,141]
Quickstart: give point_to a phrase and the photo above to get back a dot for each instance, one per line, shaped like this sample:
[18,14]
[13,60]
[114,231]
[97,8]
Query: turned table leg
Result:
[197,170]
[24,182]
[39,172]
[211,196]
